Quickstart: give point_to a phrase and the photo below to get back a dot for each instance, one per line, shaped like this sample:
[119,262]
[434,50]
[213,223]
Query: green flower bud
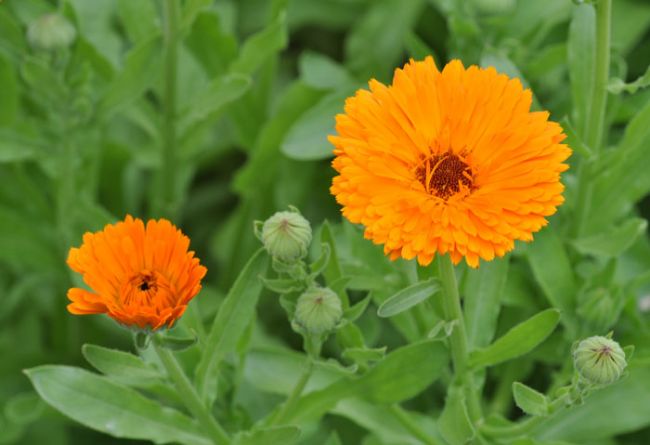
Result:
[50,32]
[286,236]
[599,360]
[318,310]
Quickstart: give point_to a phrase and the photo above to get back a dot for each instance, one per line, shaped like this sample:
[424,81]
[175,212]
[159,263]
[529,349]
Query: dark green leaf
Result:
[141,67]
[483,290]
[307,139]
[282,435]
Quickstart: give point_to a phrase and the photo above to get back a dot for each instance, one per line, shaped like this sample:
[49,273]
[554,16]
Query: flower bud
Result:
[599,360]
[286,236]
[318,310]
[50,32]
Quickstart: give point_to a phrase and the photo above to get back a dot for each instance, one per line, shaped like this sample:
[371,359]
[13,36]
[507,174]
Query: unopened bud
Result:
[599,360]
[318,310]
[286,236]
[50,32]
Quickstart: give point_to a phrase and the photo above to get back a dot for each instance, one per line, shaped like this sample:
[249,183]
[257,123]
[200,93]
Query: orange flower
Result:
[142,276]
[450,161]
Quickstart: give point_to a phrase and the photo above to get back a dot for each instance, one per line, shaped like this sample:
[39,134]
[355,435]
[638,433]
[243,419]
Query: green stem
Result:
[167,182]
[596,113]
[412,427]
[524,427]
[458,339]
[290,404]
[189,396]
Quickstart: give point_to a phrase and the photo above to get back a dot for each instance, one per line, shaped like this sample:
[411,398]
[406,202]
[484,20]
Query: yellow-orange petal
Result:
[447,161]
[141,275]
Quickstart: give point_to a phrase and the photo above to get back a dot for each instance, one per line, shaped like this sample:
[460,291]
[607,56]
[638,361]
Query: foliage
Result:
[224,121]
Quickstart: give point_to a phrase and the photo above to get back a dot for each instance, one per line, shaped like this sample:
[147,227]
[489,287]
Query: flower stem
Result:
[523,427]
[291,401]
[412,427]
[596,118]
[458,338]
[167,180]
[189,396]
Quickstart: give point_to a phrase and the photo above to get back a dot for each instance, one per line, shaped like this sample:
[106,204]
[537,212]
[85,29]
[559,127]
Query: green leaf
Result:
[212,100]
[105,406]
[574,140]
[282,285]
[282,435]
[613,242]
[417,48]
[454,423]
[176,343]
[123,366]
[140,18]
[483,290]
[9,93]
[259,47]
[617,86]
[401,375]
[518,341]
[321,72]
[235,314]
[616,410]
[17,147]
[307,138]
[141,68]
[529,400]
[552,270]
[357,310]
[581,52]
[364,355]
[409,297]
[318,266]
[24,408]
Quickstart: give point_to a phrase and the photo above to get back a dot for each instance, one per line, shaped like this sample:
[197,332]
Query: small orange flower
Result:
[142,276]
[447,162]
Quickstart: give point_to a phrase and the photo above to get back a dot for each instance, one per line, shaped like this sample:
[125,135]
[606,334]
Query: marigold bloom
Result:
[447,162]
[140,276]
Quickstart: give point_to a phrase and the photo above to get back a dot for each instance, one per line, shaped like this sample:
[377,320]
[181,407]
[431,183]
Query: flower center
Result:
[444,175]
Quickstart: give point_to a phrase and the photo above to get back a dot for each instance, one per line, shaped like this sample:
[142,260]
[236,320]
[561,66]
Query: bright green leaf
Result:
[409,297]
[613,242]
[518,341]
[105,406]
[259,47]
[234,316]
[318,71]
[123,366]
[454,423]
[529,400]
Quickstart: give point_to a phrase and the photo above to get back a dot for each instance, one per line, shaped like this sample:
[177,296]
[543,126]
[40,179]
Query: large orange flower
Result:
[450,161]
[140,276]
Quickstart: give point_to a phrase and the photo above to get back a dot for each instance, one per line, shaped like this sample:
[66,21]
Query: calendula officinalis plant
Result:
[336,222]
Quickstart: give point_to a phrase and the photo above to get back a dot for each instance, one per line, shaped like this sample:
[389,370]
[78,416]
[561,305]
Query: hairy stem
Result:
[189,396]
[458,339]
[412,427]
[291,401]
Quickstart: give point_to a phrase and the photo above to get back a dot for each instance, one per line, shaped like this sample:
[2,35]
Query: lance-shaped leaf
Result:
[613,242]
[283,435]
[408,297]
[529,400]
[111,408]
[518,341]
[235,314]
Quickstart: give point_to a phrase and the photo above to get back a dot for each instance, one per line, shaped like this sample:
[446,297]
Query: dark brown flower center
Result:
[443,174]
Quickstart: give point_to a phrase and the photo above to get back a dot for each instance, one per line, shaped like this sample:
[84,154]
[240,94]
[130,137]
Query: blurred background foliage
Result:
[86,132]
